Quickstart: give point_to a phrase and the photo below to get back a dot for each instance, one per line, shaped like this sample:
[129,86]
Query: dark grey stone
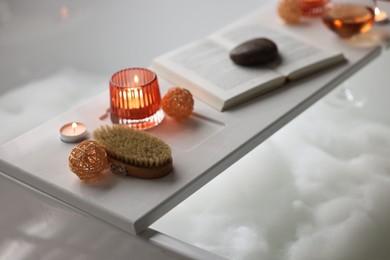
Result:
[254,52]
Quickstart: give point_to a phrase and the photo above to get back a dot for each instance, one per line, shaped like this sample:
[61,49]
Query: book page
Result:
[211,62]
[297,57]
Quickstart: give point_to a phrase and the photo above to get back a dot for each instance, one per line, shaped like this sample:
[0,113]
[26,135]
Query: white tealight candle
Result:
[73,132]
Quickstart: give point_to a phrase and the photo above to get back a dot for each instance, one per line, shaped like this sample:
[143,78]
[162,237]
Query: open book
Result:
[205,68]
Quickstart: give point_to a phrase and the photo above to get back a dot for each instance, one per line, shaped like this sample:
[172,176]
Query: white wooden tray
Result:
[203,146]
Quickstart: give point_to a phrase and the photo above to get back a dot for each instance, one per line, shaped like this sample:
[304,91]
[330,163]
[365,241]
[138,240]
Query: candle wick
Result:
[74,126]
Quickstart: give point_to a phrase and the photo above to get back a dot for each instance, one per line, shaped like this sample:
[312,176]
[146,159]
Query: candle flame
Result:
[377,11]
[136,79]
[74,126]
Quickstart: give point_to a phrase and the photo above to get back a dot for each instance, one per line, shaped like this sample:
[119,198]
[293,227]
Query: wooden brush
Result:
[133,152]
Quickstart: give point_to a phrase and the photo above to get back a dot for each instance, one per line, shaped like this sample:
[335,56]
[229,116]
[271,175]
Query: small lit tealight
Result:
[380,15]
[73,132]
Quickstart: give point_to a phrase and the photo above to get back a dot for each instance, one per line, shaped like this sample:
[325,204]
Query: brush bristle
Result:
[133,147]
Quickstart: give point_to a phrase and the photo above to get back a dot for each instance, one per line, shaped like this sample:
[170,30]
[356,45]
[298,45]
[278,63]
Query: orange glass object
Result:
[135,98]
[312,7]
[178,103]
[348,20]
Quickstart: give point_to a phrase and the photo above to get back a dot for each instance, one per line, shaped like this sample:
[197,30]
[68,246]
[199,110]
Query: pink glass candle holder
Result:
[135,98]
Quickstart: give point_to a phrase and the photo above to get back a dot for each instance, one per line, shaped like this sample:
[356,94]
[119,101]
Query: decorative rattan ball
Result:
[178,103]
[88,159]
[290,11]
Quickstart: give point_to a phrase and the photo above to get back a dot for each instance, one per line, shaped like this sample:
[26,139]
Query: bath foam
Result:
[133,152]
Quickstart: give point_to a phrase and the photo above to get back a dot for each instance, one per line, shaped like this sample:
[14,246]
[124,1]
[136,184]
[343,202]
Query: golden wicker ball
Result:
[178,103]
[88,160]
[290,11]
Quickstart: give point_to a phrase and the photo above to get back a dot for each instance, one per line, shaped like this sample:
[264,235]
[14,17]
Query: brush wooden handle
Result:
[121,168]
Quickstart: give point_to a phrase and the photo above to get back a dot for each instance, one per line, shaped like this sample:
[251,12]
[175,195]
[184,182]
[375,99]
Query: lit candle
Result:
[135,98]
[73,132]
[380,15]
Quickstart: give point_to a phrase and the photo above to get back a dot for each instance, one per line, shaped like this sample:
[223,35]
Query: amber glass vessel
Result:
[135,98]
[348,20]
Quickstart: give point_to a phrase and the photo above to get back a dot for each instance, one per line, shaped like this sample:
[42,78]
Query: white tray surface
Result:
[202,147]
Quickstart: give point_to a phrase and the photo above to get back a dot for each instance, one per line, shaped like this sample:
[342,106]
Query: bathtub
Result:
[317,189]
